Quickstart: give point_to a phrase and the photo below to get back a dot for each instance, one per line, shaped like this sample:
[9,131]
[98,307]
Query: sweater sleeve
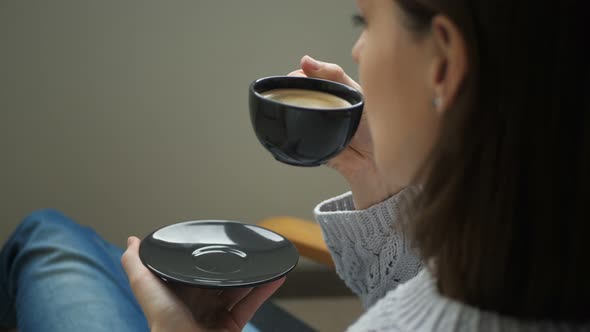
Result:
[370,252]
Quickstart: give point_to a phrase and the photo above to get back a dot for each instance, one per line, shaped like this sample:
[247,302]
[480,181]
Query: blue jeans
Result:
[56,275]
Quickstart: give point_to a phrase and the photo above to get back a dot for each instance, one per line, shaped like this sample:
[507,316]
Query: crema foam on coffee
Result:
[306,98]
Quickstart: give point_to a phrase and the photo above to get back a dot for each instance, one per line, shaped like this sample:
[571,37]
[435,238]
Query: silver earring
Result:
[437,102]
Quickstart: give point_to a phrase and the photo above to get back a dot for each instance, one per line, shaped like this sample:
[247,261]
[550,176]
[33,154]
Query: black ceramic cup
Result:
[298,135]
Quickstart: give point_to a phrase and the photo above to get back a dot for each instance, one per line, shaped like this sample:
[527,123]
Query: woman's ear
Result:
[450,63]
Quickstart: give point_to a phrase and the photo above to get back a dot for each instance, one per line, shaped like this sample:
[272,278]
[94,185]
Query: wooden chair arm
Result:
[305,235]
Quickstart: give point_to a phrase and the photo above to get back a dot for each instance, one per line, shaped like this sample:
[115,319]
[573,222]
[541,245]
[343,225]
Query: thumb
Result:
[328,71]
[131,261]
[144,284]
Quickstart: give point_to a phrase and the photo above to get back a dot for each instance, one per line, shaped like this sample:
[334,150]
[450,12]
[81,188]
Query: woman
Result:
[469,175]
[484,107]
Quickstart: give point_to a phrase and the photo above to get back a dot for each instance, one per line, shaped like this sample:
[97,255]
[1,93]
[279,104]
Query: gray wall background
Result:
[129,115]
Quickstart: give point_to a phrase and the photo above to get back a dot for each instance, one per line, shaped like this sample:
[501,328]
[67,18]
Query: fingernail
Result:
[128,241]
[315,65]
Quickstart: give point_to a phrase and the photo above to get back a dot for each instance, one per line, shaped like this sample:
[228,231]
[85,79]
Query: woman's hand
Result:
[177,308]
[356,163]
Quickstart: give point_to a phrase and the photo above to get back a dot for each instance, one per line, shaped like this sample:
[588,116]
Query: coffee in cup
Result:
[306,98]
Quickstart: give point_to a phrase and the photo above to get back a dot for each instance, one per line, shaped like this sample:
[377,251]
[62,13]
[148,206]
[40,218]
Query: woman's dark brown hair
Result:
[505,210]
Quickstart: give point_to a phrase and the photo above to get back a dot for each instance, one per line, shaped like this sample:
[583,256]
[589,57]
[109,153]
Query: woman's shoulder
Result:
[418,306]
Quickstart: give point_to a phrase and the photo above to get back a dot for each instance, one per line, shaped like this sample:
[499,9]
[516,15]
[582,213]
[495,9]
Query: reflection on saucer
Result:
[218,253]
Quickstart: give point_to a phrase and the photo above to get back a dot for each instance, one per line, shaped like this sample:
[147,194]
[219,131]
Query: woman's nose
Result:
[356,49]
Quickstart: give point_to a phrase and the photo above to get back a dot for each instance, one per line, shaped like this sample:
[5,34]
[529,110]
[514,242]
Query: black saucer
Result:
[217,254]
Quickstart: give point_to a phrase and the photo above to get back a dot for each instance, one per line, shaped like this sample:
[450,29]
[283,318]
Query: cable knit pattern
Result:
[373,258]
[369,252]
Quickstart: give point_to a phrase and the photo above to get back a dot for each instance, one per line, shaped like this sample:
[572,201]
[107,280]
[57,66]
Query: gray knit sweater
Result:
[378,264]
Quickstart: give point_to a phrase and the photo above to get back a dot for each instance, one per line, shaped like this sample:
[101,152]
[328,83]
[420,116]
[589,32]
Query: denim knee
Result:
[47,217]
[48,221]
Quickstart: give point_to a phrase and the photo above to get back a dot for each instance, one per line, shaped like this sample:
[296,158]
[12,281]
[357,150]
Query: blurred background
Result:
[128,115]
